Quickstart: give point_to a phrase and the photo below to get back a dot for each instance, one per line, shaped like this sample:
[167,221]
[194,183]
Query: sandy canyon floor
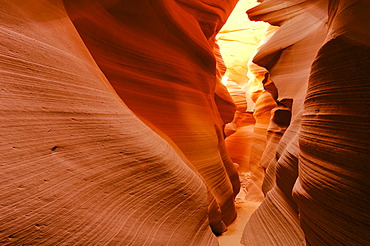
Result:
[245,208]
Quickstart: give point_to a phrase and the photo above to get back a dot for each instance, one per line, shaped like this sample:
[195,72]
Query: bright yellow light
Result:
[238,40]
[224,80]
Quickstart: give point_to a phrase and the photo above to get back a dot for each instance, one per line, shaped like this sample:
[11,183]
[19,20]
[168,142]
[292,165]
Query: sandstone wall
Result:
[78,167]
[317,180]
[159,57]
[332,189]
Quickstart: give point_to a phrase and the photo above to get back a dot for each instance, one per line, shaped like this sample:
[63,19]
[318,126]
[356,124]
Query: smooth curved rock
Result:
[332,153]
[332,190]
[166,74]
[258,75]
[280,121]
[264,105]
[224,101]
[281,223]
[289,53]
[240,142]
[238,96]
[239,131]
[77,166]
[287,56]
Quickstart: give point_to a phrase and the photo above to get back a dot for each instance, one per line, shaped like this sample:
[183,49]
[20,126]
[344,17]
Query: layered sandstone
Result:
[287,56]
[78,167]
[320,159]
[166,74]
[113,114]
[332,190]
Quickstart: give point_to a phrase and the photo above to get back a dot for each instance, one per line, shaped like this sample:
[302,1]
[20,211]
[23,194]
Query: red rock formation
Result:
[264,104]
[225,103]
[333,185]
[166,73]
[239,131]
[280,121]
[332,188]
[77,166]
[287,56]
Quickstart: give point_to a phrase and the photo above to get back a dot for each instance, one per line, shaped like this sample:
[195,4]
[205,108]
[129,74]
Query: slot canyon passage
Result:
[153,122]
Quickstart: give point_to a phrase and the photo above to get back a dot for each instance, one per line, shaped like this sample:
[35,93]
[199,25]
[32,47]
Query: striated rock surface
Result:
[112,118]
[289,53]
[239,131]
[332,190]
[246,135]
[280,121]
[77,167]
[287,56]
[224,101]
[276,222]
[166,74]
[322,157]
[264,104]
[258,76]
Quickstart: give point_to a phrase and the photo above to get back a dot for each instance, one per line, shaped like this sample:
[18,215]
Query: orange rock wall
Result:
[166,74]
[112,116]
[332,189]
[317,180]
[287,55]
[78,167]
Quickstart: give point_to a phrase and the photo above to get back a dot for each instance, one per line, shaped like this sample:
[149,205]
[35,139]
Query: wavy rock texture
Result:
[77,166]
[238,95]
[333,185]
[287,56]
[289,53]
[265,132]
[276,222]
[238,40]
[248,140]
[224,101]
[280,121]
[258,76]
[264,104]
[238,144]
[166,73]
[331,150]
